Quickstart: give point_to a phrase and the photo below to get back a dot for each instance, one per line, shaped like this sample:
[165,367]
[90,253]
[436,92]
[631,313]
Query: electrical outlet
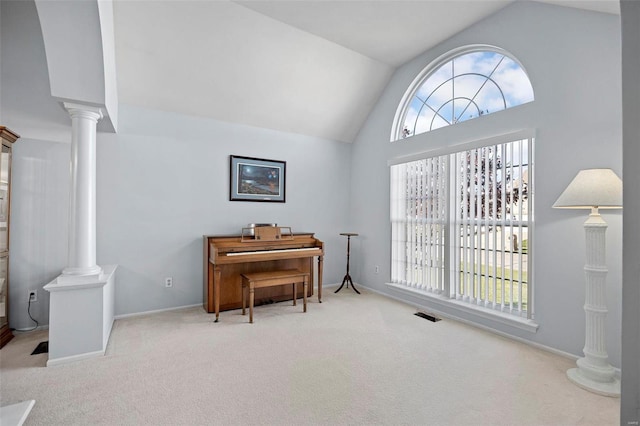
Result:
[168,282]
[377,269]
[33,296]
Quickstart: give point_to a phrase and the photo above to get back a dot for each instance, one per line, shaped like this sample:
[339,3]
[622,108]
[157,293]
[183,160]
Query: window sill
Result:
[479,311]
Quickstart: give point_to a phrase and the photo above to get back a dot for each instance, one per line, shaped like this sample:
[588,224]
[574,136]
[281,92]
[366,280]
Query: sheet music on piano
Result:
[266,233]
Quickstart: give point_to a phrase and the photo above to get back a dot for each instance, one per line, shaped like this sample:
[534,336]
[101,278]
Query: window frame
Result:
[397,127]
[448,297]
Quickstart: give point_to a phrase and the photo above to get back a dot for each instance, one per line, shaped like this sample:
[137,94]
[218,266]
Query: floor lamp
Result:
[594,189]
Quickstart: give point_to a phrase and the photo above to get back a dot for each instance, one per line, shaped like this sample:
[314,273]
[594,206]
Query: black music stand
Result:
[347,278]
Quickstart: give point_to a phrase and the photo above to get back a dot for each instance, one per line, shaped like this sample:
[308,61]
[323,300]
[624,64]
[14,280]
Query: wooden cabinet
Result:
[8,138]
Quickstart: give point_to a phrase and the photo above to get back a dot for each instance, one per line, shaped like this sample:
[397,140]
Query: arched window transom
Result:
[468,86]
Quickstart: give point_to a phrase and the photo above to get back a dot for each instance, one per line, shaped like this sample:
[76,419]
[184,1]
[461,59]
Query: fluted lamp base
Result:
[610,388]
[594,189]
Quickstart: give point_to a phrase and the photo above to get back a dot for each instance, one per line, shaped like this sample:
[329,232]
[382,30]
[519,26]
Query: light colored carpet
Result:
[352,360]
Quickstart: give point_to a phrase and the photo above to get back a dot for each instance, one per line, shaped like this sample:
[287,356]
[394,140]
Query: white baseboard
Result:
[474,324]
[29,330]
[176,308]
[73,358]
[330,285]
[155,311]
[486,328]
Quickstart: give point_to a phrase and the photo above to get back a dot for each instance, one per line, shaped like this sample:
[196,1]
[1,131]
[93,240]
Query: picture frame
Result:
[257,179]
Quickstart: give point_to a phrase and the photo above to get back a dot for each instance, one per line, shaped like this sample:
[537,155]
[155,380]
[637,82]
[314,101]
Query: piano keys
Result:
[226,258]
[277,251]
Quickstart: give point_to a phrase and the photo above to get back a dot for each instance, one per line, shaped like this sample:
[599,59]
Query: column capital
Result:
[84,111]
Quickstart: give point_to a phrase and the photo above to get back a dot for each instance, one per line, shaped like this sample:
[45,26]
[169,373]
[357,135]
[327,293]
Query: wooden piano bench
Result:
[272,278]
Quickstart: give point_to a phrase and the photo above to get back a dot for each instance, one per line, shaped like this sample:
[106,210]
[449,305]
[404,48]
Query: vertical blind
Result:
[461,225]
[419,205]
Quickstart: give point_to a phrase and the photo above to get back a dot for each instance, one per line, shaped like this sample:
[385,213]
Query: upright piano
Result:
[226,258]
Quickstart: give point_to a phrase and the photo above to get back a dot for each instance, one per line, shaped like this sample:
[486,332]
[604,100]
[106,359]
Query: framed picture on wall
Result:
[257,179]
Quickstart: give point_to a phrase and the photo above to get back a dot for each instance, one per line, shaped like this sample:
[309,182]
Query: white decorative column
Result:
[594,372]
[82,298]
[82,205]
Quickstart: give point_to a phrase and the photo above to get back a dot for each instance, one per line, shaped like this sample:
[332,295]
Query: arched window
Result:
[460,87]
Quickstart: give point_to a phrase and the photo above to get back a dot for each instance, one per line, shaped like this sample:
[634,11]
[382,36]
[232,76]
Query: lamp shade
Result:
[600,188]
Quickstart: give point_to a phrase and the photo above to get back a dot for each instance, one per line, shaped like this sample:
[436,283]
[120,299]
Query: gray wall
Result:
[630,404]
[573,60]
[163,182]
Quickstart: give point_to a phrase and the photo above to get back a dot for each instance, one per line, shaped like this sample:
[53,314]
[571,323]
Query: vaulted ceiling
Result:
[313,67]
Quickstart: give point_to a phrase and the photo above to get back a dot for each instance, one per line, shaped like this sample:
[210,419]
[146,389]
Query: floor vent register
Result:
[428,316]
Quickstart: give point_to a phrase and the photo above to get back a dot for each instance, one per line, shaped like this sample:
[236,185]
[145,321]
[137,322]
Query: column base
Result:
[611,388]
[93,270]
[81,314]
